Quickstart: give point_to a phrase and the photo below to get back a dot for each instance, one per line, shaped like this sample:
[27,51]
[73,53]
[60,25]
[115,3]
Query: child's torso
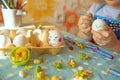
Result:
[109,15]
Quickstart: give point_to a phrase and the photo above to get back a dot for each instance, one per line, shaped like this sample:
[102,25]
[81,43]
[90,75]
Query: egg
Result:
[38,33]
[21,31]
[22,73]
[35,38]
[25,32]
[55,38]
[4,41]
[5,32]
[20,40]
[99,24]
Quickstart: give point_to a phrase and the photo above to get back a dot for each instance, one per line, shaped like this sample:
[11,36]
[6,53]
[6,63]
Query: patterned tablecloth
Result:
[97,63]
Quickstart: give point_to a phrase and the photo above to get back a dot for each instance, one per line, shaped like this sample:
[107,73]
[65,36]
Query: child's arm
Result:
[84,23]
[84,36]
[117,47]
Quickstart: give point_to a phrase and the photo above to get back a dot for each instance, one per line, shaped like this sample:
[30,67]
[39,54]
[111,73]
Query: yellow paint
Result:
[40,8]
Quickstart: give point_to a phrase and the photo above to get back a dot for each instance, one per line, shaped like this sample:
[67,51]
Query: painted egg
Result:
[99,24]
[55,38]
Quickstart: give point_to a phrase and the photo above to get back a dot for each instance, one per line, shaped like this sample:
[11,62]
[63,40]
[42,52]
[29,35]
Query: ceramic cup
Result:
[12,17]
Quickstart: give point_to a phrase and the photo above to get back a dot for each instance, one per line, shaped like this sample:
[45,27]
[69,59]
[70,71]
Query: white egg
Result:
[4,41]
[5,32]
[24,32]
[20,40]
[99,24]
[28,35]
[21,31]
[22,73]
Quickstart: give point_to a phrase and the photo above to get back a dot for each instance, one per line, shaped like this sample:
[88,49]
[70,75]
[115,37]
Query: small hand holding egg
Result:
[99,31]
[103,35]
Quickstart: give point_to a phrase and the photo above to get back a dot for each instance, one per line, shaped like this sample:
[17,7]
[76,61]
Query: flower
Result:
[71,19]
[19,56]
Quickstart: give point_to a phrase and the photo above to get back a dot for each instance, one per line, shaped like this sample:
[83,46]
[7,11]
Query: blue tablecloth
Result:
[98,63]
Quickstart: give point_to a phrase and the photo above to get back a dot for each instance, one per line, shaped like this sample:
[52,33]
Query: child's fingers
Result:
[98,41]
[105,33]
[99,36]
[102,33]
[85,18]
[96,34]
[85,28]
[85,22]
[89,15]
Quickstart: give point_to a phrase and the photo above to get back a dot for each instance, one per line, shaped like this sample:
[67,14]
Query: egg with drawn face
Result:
[55,38]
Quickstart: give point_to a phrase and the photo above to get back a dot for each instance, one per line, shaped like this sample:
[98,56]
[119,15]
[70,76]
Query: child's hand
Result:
[106,38]
[85,24]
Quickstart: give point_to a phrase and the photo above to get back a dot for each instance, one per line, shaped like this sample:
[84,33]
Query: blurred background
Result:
[62,13]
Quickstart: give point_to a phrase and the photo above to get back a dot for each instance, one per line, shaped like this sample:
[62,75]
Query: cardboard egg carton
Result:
[34,39]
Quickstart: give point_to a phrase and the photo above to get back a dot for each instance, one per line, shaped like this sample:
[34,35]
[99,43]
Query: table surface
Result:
[98,64]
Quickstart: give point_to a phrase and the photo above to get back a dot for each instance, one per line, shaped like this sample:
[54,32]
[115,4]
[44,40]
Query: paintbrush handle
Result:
[5,5]
[96,49]
[11,4]
[114,72]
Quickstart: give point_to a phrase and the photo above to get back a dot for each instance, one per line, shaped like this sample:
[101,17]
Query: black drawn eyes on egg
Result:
[56,37]
[53,37]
